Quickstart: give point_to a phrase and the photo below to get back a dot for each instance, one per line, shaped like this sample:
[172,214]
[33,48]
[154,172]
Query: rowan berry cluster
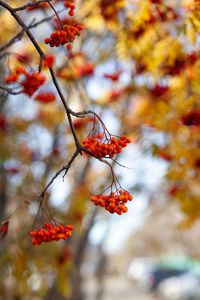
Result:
[105,149]
[113,203]
[62,37]
[31,82]
[48,61]
[70,4]
[50,233]
[45,97]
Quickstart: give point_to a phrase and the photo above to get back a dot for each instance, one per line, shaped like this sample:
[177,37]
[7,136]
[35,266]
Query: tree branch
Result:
[64,168]
[31,5]
[9,90]
[16,37]
[42,55]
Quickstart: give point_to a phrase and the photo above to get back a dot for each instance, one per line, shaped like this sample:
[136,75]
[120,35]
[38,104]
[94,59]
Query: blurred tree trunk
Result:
[100,274]
[3,175]
[77,292]
[3,197]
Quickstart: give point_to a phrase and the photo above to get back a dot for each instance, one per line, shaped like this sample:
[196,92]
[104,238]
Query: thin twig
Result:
[19,35]
[64,168]
[56,14]
[116,162]
[16,37]
[10,91]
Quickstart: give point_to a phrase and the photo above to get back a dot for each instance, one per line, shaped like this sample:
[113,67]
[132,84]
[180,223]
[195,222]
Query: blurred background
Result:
[136,64]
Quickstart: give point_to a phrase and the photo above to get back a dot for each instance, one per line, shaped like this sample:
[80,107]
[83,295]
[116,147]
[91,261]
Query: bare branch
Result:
[56,14]
[46,19]
[19,35]
[15,38]
[10,91]
[64,168]
[69,112]
[31,5]
[42,55]
[116,162]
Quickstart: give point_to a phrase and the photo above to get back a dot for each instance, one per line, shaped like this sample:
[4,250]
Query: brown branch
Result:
[55,14]
[42,55]
[69,112]
[67,109]
[86,112]
[9,90]
[47,18]
[23,25]
[55,81]
[120,165]
[64,168]
[16,37]
[30,5]
[19,35]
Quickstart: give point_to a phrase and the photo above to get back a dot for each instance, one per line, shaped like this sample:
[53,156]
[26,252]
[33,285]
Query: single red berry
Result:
[47,40]
[68,47]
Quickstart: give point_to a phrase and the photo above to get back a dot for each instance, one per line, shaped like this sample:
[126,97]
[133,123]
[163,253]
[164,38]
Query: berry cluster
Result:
[30,84]
[114,76]
[48,61]
[62,37]
[11,78]
[69,4]
[51,233]
[158,91]
[192,118]
[38,6]
[86,69]
[47,97]
[113,203]
[109,148]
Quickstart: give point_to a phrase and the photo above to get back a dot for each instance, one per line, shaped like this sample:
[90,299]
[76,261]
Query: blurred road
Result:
[117,288]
